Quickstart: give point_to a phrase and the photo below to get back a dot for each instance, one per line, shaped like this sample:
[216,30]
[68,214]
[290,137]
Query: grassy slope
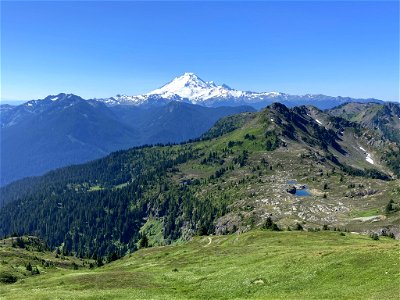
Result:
[257,264]
[13,259]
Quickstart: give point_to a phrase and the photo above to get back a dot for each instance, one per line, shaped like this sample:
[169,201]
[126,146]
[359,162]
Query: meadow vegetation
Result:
[260,264]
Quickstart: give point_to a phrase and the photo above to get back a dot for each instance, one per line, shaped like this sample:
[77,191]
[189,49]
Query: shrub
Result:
[374,236]
[202,230]
[7,278]
[29,267]
[269,224]
[299,226]
[250,137]
[112,257]
[144,242]
[20,242]
[275,227]
[391,207]
[99,261]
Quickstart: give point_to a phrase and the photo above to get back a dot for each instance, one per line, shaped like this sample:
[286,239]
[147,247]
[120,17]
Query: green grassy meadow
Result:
[253,265]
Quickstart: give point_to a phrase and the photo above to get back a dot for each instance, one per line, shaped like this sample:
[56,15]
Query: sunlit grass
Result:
[256,265]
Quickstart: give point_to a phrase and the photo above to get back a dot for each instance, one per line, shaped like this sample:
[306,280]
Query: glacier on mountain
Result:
[192,89]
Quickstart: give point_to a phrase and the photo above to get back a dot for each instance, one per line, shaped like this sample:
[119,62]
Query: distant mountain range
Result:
[245,169]
[192,89]
[65,129]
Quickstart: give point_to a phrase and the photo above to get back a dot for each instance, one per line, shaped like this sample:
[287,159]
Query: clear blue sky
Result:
[99,49]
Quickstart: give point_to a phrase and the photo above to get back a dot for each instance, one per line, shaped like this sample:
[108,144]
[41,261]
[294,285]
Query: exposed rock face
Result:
[291,189]
[300,186]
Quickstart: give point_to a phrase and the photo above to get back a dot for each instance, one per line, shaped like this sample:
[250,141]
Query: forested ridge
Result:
[99,209]
[42,135]
[82,219]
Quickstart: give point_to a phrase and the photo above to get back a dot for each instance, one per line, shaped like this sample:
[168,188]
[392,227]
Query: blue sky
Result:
[99,49]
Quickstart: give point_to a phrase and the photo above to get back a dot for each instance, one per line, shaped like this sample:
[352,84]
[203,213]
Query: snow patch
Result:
[318,121]
[368,157]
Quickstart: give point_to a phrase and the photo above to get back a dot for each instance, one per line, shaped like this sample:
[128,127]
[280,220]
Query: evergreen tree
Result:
[29,267]
[144,241]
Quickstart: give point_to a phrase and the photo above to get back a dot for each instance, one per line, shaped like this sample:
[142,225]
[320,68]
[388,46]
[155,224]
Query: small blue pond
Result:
[299,192]
[302,193]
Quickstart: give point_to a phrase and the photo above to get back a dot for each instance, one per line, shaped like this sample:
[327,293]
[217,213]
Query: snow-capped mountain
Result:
[192,89]
[190,86]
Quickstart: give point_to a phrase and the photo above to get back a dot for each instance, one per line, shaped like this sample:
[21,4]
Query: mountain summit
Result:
[186,88]
[191,88]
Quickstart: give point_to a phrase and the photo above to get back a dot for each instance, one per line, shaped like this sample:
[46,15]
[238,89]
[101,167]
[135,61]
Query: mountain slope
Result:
[67,131]
[27,256]
[174,122]
[70,130]
[383,122]
[253,265]
[229,182]
[41,135]
[384,117]
[192,89]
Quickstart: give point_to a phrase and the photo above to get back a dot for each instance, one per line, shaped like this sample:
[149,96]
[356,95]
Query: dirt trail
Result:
[209,241]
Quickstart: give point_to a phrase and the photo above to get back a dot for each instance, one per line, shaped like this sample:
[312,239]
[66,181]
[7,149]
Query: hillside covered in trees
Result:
[231,180]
